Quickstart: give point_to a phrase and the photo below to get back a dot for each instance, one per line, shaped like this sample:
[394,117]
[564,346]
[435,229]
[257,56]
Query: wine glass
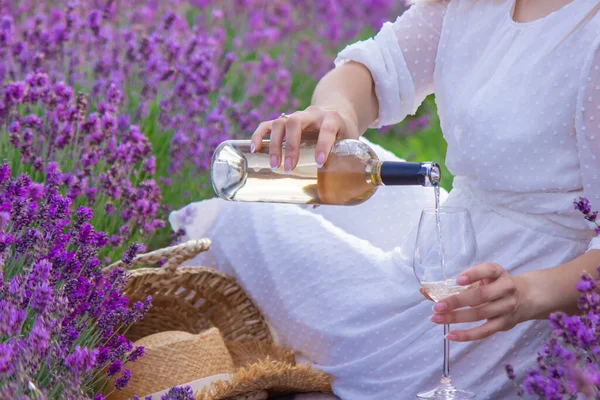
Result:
[446,246]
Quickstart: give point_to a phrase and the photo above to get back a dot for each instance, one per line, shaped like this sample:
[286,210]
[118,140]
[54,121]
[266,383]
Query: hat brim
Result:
[274,377]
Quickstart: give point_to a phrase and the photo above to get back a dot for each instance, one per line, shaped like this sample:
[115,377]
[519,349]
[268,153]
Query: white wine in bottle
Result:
[350,176]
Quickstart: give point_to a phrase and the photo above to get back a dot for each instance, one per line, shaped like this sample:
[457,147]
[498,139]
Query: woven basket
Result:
[190,299]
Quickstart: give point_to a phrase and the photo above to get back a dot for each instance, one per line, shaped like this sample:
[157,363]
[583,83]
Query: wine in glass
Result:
[446,246]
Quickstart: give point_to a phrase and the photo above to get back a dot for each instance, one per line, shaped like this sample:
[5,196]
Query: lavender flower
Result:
[114,368]
[510,372]
[586,284]
[135,354]
[583,204]
[131,253]
[179,393]
[123,380]
[7,351]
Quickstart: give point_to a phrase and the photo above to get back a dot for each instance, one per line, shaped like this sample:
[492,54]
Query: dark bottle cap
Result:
[397,173]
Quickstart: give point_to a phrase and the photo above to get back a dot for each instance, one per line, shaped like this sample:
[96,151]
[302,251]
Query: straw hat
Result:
[216,370]
[172,358]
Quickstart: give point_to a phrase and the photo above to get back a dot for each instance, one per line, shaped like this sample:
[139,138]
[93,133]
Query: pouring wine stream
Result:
[446,366]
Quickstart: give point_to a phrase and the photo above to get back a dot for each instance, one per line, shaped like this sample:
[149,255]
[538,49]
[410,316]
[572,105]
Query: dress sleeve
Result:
[587,123]
[401,59]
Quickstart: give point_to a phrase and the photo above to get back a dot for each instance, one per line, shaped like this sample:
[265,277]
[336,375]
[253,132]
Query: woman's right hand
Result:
[326,123]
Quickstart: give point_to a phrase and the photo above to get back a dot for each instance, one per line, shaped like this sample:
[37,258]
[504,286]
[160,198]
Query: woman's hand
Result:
[325,123]
[493,295]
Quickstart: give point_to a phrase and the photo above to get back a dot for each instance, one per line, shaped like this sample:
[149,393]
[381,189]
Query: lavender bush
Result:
[108,162]
[62,320]
[568,364]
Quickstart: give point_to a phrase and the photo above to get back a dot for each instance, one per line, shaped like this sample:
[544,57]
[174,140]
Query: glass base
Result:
[446,392]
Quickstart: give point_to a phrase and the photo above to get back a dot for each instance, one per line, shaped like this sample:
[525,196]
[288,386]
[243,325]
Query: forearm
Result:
[349,89]
[553,289]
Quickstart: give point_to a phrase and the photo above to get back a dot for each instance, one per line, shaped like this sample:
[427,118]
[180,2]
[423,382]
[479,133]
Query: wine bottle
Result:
[350,176]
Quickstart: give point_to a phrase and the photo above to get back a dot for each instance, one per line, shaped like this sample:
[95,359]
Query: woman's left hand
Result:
[493,295]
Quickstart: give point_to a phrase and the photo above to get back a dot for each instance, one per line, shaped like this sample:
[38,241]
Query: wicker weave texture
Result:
[191,299]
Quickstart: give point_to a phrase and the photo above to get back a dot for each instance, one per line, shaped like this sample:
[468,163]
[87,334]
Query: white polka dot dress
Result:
[520,112]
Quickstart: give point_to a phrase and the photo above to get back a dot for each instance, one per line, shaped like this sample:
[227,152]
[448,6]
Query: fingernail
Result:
[462,280]
[274,162]
[451,336]
[440,306]
[320,159]
[252,148]
[288,164]
[436,318]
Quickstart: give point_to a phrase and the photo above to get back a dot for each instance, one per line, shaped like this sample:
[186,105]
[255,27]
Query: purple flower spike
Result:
[586,284]
[592,216]
[123,381]
[510,372]
[7,351]
[114,368]
[583,205]
[131,253]
[179,393]
[135,354]
[4,172]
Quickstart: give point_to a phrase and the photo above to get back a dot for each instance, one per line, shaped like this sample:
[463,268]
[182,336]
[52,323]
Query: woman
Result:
[517,84]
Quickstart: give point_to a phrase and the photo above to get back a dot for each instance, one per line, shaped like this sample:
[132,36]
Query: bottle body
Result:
[350,176]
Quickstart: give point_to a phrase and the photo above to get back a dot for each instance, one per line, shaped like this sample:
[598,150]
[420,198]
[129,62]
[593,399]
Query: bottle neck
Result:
[398,173]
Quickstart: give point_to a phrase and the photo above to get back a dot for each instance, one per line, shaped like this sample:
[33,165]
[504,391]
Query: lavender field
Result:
[110,111]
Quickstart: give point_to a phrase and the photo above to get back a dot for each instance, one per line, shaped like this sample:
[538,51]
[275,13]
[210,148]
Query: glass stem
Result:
[446,368]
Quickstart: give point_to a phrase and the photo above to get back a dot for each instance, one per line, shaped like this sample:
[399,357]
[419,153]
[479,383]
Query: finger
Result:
[478,295]
[504,306]
[294,125]
[263,129]
[424,293]
[276,140]
[332,123]
[295,128]
[479,272]
[480,332]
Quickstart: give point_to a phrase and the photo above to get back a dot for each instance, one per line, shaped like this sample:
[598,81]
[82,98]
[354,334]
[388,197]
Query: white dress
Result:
[522,122]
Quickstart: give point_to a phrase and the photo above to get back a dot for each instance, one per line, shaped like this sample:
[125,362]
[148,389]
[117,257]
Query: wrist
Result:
[531,304]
